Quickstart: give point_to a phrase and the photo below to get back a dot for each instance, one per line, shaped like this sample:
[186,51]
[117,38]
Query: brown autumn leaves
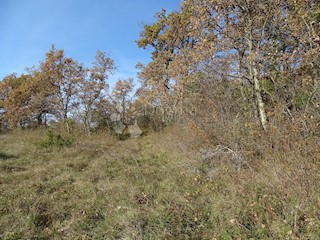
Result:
[267,52]
[263,54]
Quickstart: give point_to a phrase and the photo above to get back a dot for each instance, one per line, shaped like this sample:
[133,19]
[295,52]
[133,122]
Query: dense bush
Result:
[53,139]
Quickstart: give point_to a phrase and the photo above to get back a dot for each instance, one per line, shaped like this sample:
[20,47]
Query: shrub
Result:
[122,136]
[53,139]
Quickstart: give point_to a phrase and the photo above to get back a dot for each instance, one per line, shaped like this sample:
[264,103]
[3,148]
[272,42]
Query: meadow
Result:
[158,186]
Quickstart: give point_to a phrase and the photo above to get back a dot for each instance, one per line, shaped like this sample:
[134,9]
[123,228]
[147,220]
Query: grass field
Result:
[154,187]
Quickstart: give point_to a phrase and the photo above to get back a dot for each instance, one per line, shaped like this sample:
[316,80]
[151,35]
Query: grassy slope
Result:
[154,187]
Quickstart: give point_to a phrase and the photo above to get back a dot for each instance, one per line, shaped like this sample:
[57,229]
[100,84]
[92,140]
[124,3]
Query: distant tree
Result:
[15,100]
[104,108]
[57,81]
[93,87]
[121,97]
[56,88]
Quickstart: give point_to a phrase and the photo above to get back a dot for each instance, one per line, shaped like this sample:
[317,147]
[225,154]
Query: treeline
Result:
[64,91]
[240,65]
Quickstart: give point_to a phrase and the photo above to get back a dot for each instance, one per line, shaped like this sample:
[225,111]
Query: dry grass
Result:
[154,187]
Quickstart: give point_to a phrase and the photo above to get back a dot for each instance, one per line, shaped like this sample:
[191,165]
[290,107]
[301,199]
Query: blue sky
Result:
[28,28]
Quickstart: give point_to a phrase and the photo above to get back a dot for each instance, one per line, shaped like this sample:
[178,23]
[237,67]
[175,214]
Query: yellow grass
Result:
[153,187]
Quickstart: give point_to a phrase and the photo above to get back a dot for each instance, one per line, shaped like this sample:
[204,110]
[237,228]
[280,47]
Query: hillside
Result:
[159,186]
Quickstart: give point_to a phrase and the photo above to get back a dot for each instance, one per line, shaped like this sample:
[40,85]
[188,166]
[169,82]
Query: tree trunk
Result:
[66,122]
[260,103]
[254,76]
[87,122]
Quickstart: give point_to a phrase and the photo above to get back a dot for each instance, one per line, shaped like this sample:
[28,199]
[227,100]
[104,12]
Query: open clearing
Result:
[154,187]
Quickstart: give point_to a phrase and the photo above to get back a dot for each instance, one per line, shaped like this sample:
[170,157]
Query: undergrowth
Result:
[54,139]
[155,187]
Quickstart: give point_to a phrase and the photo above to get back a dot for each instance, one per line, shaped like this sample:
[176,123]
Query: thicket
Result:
[244,74]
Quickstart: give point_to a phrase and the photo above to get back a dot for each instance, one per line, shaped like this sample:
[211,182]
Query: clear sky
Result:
[28,28]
